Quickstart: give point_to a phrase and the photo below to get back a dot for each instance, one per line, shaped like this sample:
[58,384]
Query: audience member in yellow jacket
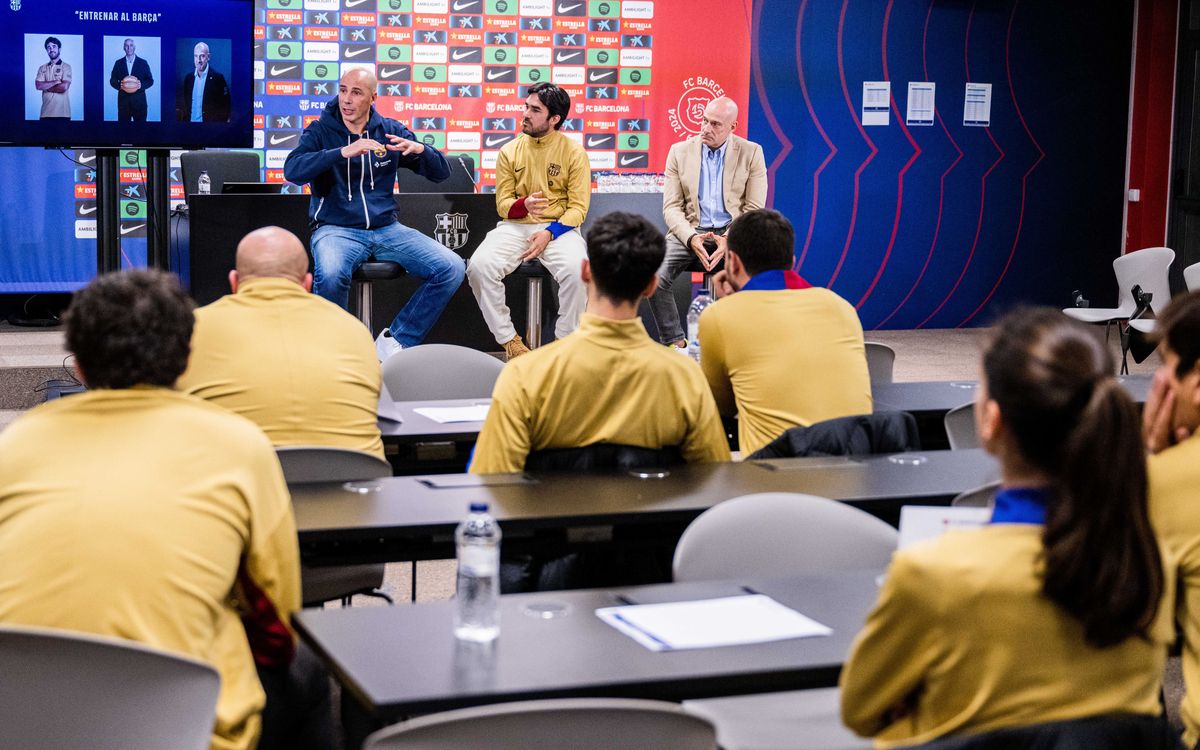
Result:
[1171,417]
[608,382]
[1059,608]
[779,353]
[138,512]
[298,366]
[543,188]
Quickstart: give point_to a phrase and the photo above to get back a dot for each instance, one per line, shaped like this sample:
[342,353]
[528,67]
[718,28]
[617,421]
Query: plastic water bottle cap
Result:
[479,507]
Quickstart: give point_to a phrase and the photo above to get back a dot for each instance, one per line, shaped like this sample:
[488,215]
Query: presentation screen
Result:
[107,74]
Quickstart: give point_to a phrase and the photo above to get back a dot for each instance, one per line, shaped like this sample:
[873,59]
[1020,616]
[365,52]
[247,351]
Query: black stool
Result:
[534,272]
[369,272]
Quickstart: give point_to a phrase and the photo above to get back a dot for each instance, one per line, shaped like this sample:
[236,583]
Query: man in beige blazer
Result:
[711,179]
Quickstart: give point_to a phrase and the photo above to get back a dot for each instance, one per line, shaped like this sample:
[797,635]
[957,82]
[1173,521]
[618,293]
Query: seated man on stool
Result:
[299,366]
[779,353]
[711,179]
[543,187]
[135,511]
[351,156]
[608,383]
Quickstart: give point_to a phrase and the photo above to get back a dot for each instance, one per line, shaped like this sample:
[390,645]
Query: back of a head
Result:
[1070,419]
[130,328]
[624,252]
[763,240]
[1178,327]
[271,252]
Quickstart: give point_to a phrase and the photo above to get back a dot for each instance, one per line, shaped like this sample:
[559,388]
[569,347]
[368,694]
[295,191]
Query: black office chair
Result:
[859,435]
[461,179]
[222,167]
[1093,733]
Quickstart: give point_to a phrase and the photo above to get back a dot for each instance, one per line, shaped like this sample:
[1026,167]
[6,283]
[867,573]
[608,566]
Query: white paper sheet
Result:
[921,103]
[977,105]
[447,414]
[921,522]
[708,623]
[876,103]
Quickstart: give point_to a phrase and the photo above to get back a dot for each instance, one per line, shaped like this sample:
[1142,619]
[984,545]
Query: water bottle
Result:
[477,617]
[701,301]
[204,187]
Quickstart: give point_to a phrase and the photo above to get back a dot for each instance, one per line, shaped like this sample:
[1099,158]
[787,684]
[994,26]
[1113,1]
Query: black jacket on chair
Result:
[1118,732]
[861,435]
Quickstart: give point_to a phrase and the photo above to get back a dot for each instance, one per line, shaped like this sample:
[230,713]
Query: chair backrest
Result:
[781,533]
[1147,268]
[1115,732]
[580,723]
[604,457]
[980,497]
[960,427]
[440,371]
[1191,277]
[881,359]
[222,167]
[461,179]
[72,690]
[303,464]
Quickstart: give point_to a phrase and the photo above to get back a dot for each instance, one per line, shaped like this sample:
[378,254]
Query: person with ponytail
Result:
[1054,611]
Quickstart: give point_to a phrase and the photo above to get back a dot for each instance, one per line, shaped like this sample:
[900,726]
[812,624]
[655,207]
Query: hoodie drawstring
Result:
[349,196]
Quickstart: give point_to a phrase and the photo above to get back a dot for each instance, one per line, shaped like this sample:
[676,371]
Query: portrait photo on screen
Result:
[134,63]
[51,63]
[202,91]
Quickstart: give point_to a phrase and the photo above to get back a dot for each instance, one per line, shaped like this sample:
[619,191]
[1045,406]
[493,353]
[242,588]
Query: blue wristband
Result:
[557,229]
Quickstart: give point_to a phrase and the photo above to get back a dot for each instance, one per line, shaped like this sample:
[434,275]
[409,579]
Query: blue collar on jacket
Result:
[1021,505]
[771,281]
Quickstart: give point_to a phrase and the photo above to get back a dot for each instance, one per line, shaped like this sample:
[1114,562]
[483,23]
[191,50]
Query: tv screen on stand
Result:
[110,74]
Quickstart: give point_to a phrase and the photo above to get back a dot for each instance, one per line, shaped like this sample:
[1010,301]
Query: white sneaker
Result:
[385,345]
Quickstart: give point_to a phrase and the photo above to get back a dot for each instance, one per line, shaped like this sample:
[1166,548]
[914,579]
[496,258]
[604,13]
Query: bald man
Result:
[350,157]
[711,179]
[204,95]
[298,366]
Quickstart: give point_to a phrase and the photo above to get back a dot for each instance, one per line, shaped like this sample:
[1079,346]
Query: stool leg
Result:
[364,304]
[709,288]
[533,315]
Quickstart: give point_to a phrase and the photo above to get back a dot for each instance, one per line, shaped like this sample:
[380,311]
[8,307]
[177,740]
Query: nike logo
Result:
[459,6]
[627,160]
[603,140]
[280,71]
[391,72]
[354,3]
[84,210]
[87,159]
[463,54]
[593,77]
[133,228]
[277,139]
[517,170]
[566,56]
[563,8]
[493,75]
[489,142]
[357,52]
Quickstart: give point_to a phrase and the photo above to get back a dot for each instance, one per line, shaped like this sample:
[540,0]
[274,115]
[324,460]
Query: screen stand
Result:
[158,208]
[108,204]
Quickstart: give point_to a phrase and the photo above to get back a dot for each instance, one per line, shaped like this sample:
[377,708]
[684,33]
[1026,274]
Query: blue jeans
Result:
[337,251]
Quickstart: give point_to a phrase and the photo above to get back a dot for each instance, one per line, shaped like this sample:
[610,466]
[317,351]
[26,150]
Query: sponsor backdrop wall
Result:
[924,205]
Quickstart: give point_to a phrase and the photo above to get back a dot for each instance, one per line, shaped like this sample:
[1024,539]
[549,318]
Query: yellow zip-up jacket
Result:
[553,165]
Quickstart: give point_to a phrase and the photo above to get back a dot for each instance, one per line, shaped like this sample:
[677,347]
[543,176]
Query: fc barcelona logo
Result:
[451,230]
[554,170]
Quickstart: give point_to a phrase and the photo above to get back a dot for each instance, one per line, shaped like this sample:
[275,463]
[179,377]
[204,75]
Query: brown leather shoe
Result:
[514,348]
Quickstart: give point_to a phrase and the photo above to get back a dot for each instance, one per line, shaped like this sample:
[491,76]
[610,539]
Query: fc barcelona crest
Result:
[451,230]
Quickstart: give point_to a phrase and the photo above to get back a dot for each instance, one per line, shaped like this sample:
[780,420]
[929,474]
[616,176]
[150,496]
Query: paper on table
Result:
[708,623]
[446,414]
[921,522]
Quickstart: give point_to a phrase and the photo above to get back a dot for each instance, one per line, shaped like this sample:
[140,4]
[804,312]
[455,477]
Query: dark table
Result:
[413,518]
[403,660]
[420,445]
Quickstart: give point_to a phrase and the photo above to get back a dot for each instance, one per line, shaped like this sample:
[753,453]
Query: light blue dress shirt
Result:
[712,186]
[198,97]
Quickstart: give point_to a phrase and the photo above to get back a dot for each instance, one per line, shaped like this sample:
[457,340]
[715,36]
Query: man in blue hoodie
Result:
[350,157]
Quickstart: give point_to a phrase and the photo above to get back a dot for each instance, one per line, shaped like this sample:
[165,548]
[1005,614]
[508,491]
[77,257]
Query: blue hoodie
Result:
[355,192]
